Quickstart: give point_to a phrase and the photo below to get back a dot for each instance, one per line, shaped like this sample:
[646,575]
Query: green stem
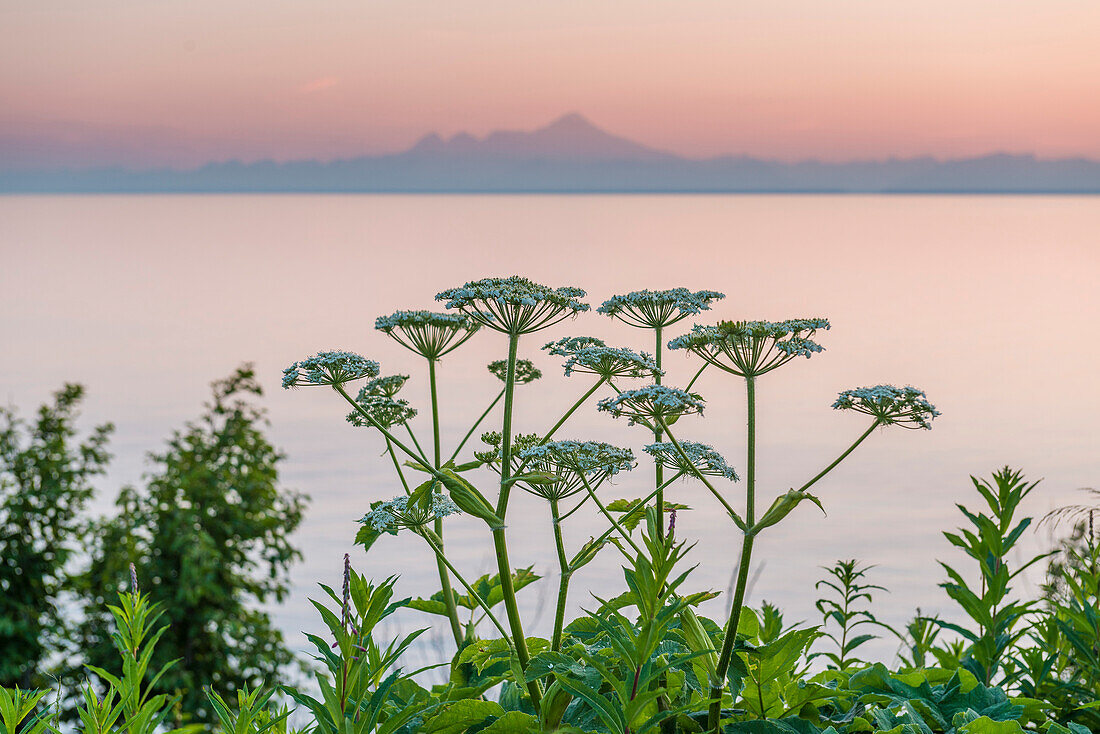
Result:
[646,499]
[397,466]
[476,424]
[473,594]
[614,523]
[419,456]
[437,526]
[718,685]
[693,379]
[419,449]
[550,434]
[500,544]
[659,472]
[701,477]
[840,458]
[563,584]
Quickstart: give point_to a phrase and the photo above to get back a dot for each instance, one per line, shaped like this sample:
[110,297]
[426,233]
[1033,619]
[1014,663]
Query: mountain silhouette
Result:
[571,154]
[570,137]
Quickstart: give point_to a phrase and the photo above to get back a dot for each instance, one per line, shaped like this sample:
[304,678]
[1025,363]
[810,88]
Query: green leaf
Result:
[986,725]
[513,722]
[457,717]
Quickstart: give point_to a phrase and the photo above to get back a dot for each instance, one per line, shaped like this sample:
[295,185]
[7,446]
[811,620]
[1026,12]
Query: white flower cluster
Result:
[656,309]
[387,386]
[526,371]
[329,368]
[514,305]
[427,333]
[398,513]
[750,348]
[652,402]
[383,411]
[575,464]
[590,355]
[702,458]
[900,406]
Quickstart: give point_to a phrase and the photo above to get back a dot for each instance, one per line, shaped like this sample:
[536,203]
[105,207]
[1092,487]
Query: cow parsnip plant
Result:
[571,471]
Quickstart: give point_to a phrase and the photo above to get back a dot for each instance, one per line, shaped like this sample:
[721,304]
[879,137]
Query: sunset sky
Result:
[182,82]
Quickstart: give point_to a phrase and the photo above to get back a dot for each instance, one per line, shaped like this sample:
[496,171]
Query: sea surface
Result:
[991,304]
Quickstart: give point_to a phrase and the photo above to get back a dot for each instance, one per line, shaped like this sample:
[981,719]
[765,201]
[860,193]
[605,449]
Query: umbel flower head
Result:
[596,358]
[384,386]
[429,334]
[495,442]
[907,407]
[400,513]
[329,368]
[574,463]
[700,458]
[652,403]
[658,309]
[526,371]
[383,411]
[751,348]
[514,305]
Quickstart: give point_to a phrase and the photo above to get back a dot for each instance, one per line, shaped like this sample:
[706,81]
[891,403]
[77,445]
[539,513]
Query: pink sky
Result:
[185,81]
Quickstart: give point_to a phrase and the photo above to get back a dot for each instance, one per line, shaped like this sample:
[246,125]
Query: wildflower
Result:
[329,368]
[590,355]
[574,463]
[495,442]
[907,407]
[399,513]
[751,348]
[514,305]
[657,309]
[703,459]
[385,386]
[655,402]
[566,346]
[429,334]
[526,371]
[383,411]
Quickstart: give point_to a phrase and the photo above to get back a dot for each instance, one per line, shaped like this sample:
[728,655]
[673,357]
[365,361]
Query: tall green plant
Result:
[46,475]
[361,688]
[516,307]
[750,350]
[1061,665]
[844,614]
[996,618]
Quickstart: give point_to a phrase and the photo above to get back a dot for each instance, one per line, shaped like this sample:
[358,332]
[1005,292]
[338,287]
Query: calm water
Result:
[989,303]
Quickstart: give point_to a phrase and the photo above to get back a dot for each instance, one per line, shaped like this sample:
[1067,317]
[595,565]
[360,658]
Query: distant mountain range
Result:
[573,155]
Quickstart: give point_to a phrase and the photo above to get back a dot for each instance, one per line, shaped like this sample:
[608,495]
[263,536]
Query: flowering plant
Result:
[546,675]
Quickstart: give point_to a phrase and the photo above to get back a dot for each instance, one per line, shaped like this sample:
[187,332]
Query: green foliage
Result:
[996,620]
[361,689]
[620,662]
[844,613]
[488,588]
[919,641]
[45,483]
[129,704]
[210,536]
[1062,666]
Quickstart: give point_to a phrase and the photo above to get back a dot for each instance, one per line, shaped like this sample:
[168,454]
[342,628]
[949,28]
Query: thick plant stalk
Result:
[500,543]
[563,584]
[718,685]
[437,526]
[660,470]
[438,550]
